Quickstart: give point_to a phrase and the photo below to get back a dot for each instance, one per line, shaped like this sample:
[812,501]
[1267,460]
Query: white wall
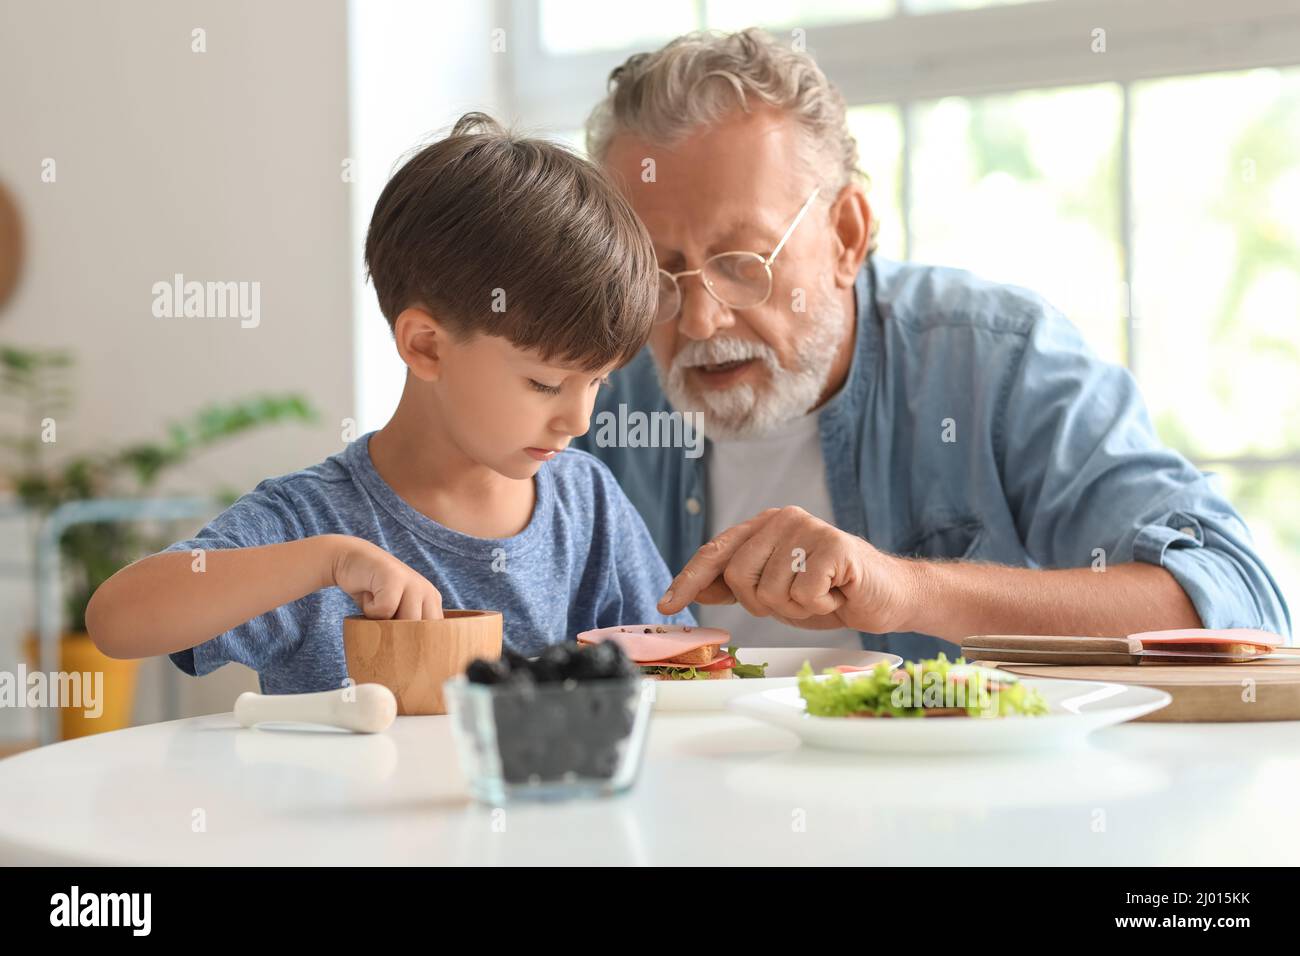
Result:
[221,165]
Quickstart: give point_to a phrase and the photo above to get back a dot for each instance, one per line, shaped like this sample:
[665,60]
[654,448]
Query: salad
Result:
[930,688]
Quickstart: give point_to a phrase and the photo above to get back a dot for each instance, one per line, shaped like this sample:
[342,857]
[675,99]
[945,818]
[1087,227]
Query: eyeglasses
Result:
[738,280]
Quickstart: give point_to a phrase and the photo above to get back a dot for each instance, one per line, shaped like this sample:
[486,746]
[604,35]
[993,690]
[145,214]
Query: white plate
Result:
[782,665]
[1075,709]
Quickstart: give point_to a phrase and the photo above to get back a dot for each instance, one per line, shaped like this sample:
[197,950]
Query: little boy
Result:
[514,278]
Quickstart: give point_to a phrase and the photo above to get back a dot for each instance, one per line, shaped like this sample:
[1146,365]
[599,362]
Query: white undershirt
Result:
[745,477]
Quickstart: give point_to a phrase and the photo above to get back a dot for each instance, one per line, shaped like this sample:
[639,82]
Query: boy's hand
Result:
[383,587]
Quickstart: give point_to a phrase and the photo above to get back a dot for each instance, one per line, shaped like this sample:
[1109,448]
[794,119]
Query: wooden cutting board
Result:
[1258,690]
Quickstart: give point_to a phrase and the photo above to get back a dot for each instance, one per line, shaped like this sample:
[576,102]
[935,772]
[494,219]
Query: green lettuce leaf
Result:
[907,692]
[747,670]
[675,673]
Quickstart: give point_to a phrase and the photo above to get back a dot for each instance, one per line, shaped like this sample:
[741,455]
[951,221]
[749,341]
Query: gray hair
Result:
[696,79]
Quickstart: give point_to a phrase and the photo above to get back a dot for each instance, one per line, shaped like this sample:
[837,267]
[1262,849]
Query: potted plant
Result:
[34,385]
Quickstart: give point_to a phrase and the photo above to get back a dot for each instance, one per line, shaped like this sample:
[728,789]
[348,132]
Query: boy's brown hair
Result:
[500,234]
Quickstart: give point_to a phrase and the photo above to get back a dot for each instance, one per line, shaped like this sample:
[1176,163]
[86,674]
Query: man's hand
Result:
[786,564]
[845,582]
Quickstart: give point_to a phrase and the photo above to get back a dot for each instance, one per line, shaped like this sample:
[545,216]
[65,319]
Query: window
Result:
[1216,250]
[1216,253]
[879,132]
[935,6]
[1022,188]
[572,26]
[738,14]
[1142,171]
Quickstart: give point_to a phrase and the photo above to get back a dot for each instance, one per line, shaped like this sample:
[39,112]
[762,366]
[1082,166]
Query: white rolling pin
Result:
[367,708]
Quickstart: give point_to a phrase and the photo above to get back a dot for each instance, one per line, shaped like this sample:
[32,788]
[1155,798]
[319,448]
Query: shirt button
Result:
[693,506]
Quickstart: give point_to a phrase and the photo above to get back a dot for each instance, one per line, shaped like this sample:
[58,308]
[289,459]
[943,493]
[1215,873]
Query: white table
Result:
[715,788]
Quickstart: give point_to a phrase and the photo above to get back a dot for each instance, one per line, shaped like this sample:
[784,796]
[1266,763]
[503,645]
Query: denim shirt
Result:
[975,424]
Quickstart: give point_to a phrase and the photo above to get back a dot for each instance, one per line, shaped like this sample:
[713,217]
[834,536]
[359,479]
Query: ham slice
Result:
[658,646]
[1226,639]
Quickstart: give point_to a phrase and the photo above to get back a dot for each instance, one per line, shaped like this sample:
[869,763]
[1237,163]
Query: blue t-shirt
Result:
[584,561]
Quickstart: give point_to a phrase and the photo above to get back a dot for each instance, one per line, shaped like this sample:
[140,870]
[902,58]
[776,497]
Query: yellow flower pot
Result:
[115,690]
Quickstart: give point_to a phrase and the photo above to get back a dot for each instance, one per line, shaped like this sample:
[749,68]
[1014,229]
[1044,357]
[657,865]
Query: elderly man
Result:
[896,455]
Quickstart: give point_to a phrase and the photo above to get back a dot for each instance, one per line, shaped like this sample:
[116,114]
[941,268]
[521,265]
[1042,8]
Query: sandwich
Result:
[674,652]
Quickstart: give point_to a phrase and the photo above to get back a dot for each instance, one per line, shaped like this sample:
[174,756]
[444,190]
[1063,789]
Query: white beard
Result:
[740,412]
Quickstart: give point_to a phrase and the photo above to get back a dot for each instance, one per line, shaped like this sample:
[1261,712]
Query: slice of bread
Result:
[1245,651]
[701,655]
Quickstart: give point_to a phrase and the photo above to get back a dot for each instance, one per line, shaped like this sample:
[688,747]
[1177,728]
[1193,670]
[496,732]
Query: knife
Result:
[1050,649]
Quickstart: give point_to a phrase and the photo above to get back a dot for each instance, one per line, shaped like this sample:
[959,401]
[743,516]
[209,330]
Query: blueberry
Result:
[521,758]
[599,762]
[613,708]
[559,656]
[548,718]
[601,712]
[629,670]
[599,662]
[599,704]
[481,671]
[513,660]
[599,735]
[543,672]
[563,755]
[588,663]
[607,660]
[509,712]
[617,665]
[551,667]
[520,680]
[512,699]
[575,711]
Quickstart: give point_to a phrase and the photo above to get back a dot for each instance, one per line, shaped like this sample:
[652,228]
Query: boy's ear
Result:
[420,340]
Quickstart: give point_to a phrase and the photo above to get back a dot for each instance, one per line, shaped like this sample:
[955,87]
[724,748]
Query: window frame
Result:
[925,57]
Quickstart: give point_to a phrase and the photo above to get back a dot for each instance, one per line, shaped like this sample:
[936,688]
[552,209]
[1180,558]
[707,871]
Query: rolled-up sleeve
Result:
[1087,480]
[260,517]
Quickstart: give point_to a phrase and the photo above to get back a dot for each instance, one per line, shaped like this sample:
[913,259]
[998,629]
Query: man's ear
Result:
[421,341]
[851,219]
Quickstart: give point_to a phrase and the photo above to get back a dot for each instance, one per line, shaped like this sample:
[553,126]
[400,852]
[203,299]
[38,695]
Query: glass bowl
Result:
[550,741]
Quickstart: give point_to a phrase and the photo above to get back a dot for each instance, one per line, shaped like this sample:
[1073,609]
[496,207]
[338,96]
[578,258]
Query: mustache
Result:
[715,351]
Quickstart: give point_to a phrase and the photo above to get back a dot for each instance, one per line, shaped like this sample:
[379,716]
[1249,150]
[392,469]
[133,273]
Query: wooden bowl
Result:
[414,658]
